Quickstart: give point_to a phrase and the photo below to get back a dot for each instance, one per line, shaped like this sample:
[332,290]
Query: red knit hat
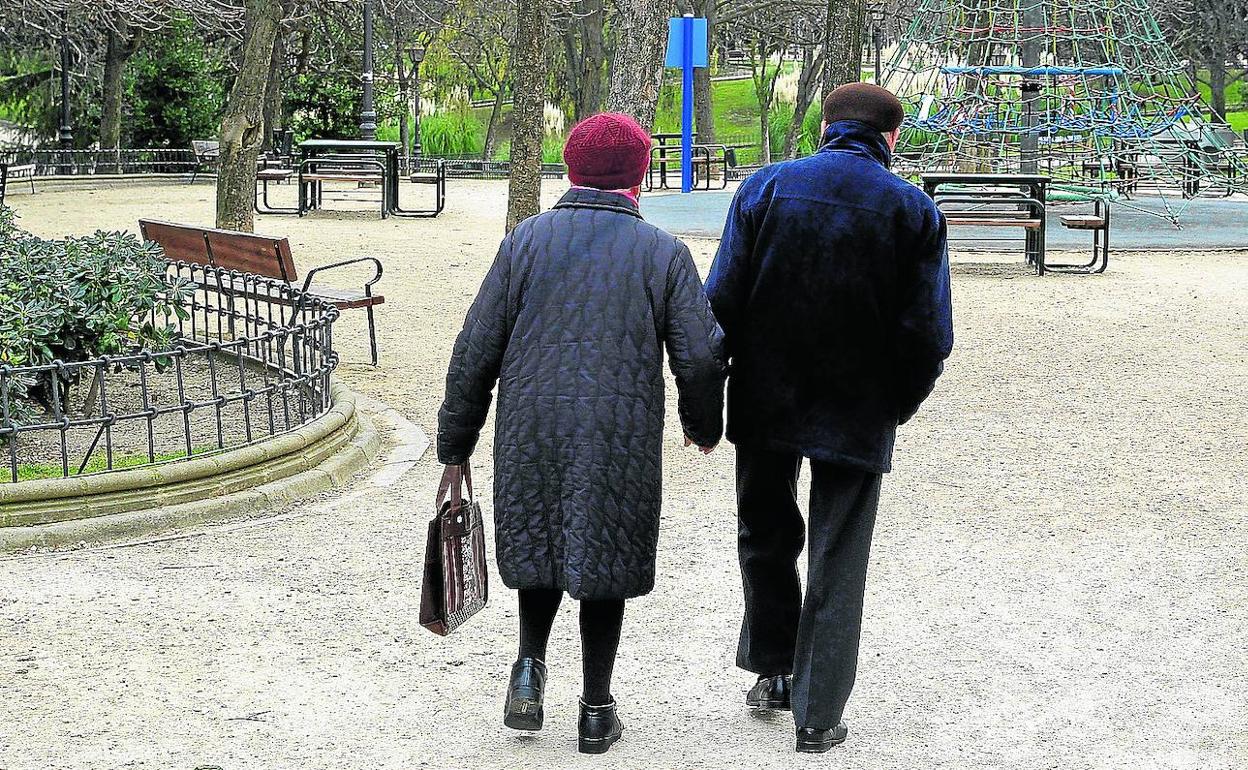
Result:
[608,151]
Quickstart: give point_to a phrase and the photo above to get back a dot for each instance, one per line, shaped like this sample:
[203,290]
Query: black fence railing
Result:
[50,162]
[460,167]
[251,359]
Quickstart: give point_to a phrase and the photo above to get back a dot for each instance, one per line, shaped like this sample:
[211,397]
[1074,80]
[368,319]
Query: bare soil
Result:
[204,428]
[1058,578]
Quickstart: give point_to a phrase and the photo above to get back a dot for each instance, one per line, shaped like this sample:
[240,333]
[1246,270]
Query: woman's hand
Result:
[706,450]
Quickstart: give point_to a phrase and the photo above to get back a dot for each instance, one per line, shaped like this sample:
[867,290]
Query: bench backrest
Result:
[203,147]
[228,249]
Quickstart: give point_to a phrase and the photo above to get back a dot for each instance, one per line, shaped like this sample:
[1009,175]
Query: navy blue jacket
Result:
[832,288]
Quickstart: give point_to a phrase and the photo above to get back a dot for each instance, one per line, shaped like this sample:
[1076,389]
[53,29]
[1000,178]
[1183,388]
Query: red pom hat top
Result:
[609,151]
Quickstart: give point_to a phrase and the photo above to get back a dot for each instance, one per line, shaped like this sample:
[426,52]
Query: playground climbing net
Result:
[1087,92]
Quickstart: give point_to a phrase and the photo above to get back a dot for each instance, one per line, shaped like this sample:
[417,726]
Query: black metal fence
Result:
[251,359]
[49,162]
[461,167]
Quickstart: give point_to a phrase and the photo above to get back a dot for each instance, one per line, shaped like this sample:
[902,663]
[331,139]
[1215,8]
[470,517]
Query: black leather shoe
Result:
[524,695]
[812,740]
[600,727]
[771,693]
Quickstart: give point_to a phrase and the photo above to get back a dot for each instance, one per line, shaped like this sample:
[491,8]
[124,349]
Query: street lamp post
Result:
[66,135]
[417,55]
[368,114]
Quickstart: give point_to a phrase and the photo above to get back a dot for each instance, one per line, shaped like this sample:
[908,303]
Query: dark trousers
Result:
[817,639]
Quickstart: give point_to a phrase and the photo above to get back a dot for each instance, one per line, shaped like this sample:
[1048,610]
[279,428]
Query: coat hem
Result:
[821,455]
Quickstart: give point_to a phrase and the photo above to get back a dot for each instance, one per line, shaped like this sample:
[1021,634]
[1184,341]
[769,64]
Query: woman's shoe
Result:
[524,695]
[600,727]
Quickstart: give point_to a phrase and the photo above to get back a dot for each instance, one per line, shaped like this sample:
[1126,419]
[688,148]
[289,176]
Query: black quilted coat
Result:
[571,321]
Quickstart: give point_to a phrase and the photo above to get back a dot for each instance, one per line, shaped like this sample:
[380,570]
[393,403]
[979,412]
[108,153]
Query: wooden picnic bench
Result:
[704,159]
[368,173]
[266,256]
[437,178]
[995,200]
[264,177]
[18,171]
[1098,224]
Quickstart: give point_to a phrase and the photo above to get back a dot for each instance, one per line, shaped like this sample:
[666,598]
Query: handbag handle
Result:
[454,478]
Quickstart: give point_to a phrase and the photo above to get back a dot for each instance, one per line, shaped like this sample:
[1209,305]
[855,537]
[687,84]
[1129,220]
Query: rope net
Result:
[1087,92]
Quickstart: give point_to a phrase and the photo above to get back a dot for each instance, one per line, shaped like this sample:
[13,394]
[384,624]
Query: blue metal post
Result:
[686,105]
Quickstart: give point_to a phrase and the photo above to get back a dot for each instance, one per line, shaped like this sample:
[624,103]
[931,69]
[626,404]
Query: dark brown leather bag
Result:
[455,584]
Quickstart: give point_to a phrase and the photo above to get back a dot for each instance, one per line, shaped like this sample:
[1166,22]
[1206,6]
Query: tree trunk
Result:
[572,65]
[588,83]
[765,92]
[118,51]
[524,189]
[764,131]
[491,129]
[703,105]
[843,44]
[242,125]
[812,68]
[273,90]
[637,67]
[1217,86]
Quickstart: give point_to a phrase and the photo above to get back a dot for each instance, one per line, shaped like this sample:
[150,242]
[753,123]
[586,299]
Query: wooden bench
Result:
[1098,223]
[437,178]
[23,171]
[994,200]
[266,256]
[992,209]
[364,170]
[207,153]
[264,176]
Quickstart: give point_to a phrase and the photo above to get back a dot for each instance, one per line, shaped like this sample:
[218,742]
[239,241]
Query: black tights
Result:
[601,622]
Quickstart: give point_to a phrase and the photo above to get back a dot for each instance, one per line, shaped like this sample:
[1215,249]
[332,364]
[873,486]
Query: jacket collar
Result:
[585,198]
[856,138]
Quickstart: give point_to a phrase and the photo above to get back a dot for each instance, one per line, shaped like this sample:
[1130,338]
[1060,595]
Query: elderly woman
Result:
[571,321]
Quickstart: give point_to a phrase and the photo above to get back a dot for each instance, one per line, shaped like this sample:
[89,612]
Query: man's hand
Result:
[706,450]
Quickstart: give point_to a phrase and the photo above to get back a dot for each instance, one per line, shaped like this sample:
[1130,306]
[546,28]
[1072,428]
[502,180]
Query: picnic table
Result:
[995,200]
[704,158]
[362,160]
[366,161]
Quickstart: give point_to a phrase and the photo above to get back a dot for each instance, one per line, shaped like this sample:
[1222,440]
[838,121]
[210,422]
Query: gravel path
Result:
[1058,578]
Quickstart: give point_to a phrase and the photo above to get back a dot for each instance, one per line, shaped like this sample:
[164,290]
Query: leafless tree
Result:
[1212,35]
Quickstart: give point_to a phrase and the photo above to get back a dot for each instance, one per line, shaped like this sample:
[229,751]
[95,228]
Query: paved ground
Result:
[1058,580]
[1206,223]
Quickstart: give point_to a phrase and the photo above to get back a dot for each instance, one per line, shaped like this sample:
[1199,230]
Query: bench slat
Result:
[994,222]
[1083,222]
[341,178]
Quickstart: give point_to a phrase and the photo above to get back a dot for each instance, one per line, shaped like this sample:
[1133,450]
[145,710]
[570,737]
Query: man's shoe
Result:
[771,693]
[812,740]
[599,728]
[524,695]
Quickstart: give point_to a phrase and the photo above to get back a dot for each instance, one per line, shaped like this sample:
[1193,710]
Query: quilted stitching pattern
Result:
[571,322]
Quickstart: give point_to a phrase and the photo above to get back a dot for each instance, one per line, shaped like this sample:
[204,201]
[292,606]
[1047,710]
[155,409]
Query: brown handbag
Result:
[455,585]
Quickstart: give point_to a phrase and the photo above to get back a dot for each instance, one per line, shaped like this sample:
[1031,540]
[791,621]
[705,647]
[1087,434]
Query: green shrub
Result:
[552,149]
[456,132]
[76,299]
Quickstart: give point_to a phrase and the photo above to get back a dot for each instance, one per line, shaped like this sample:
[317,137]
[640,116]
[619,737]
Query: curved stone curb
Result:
[322,455]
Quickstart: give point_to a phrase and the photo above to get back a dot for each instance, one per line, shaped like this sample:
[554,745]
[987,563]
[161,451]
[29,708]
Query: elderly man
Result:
[832,287]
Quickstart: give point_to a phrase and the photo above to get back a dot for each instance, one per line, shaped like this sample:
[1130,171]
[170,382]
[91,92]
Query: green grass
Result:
[97,464]
[1238,120]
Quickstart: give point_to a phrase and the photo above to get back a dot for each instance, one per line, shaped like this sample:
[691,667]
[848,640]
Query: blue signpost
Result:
[686,48]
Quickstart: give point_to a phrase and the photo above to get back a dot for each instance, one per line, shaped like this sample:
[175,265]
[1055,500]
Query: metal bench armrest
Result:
[368,285]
